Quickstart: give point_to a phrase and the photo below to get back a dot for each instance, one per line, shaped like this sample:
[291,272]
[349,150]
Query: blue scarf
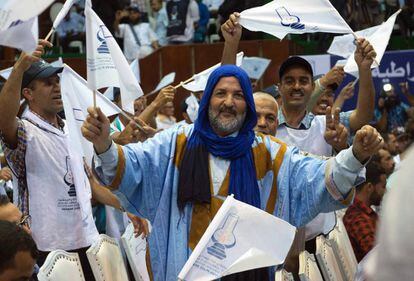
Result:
[194,182]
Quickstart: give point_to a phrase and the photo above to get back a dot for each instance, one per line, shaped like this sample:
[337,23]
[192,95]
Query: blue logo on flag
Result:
[103,46]
[224,238]
[288,20]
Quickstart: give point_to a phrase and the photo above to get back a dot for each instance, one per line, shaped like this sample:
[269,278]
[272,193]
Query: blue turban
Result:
[194,181]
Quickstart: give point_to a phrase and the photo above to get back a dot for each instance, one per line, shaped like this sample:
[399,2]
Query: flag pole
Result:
[375,59]
[50,33]
[94,98]
[355,81]
[184,82]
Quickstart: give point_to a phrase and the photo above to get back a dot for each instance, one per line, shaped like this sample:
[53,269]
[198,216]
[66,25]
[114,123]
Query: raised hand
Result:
[164,96]
[96,129]
[25,60]
[364,54]
[5,174]
[348,91]
[335,133]
[334,76]
[367,142]
[231,29]
[140,225]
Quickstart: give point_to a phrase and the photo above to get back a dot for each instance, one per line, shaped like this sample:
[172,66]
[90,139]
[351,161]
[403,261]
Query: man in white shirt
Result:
[36,149]
[139,38]
[159,22]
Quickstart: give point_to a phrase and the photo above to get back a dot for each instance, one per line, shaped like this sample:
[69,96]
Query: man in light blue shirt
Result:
[178,179]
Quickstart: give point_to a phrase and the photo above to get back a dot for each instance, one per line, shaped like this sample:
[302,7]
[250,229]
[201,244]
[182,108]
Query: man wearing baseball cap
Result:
[36,149]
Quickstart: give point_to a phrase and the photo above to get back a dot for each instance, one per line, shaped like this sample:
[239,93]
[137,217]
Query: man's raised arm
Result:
[232,31]
[11,93]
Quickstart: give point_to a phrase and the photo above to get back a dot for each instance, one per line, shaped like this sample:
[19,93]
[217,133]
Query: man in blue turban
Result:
[179,178]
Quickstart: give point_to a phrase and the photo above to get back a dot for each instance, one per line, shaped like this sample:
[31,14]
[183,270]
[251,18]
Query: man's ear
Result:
[27,93]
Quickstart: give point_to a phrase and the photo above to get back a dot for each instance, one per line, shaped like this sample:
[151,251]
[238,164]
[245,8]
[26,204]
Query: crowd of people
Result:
[142,26]
[288,149]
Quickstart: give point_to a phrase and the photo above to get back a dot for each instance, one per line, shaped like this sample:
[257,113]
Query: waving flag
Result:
[230,244]
[23,35]
[344,45]
[379,41]
[282,17]
[63,12]
[13,12]
[106,64]
[200,79]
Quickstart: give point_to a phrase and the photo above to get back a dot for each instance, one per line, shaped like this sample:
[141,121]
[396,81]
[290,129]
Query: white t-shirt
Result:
[145,36]
[53,203]
[311,140]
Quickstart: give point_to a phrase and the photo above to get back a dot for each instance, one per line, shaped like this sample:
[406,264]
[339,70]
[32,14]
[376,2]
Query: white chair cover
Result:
[344,250]
[283,275]
[327,260]
[61,266]
[106,260]
[308,268]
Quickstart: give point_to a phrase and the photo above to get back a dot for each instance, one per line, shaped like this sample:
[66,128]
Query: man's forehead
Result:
[296,70]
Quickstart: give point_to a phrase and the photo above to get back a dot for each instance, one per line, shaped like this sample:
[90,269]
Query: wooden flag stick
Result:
[355,81]
[184,82]
[49,34]
[94,98]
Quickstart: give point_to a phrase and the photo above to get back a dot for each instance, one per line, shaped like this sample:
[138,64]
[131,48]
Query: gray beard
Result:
[227,127]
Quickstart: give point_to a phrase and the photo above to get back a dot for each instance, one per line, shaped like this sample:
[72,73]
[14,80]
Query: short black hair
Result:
[373,173]
[4,200]
[14,239]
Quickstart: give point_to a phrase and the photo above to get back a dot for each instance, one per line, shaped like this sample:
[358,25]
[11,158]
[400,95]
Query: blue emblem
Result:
[223,238]
[288,20]
[103,46]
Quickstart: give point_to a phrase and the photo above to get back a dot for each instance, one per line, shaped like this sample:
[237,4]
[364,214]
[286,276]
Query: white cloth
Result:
[165,123]
[106,64]
[281,17]
[53,203]
[312,141]
[393,259]
[193,15]
[23,36]
[145,36]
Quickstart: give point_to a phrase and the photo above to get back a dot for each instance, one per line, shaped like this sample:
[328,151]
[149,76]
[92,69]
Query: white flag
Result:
[192,107]
[135,69]
[136,249]
[344,45]
[165,81]
[255,67]
[106,64]
[13,12]
[63,12]
[230,243]
[77,97]
[24,35]
[282,17]
[5,73]
[379,41]
[200,79]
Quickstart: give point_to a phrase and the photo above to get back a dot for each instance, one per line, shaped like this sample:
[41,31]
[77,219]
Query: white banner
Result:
[200,79]
[106,64]
[255,67]
[379,41]
[282,17]
[230,243]
[13,12]
[63,12]
[23,35]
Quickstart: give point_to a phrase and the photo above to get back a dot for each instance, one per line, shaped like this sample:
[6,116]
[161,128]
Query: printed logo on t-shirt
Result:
[68,178]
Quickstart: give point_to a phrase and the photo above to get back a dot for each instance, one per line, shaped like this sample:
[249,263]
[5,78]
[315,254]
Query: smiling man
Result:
[179,178]
[36,149]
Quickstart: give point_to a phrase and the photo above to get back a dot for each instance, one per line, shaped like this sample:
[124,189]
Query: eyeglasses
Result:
[24,221]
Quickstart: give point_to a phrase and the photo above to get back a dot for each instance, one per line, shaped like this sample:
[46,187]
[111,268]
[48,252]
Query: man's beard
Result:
[229,125]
